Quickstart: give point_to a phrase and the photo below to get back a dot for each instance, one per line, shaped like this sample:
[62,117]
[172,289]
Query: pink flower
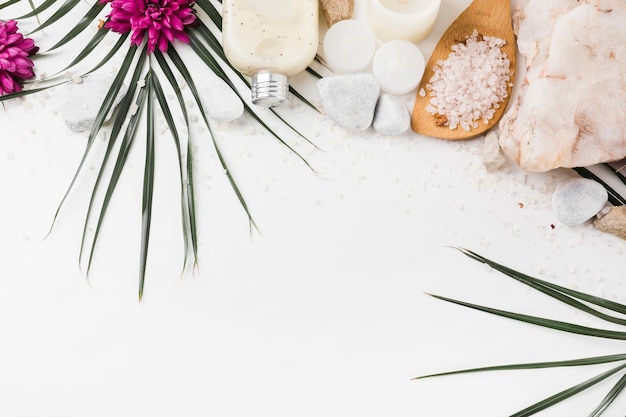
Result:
[161,20]
[14,62]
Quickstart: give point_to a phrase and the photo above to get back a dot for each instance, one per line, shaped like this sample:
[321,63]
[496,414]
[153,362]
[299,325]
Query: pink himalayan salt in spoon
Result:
[491,18]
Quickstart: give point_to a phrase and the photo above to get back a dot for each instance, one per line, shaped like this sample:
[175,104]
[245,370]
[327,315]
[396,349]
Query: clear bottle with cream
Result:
[270,40]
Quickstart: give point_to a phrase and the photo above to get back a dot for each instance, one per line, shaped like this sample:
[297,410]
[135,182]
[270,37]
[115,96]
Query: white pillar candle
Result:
[411,20]
[348,46]
[398,66]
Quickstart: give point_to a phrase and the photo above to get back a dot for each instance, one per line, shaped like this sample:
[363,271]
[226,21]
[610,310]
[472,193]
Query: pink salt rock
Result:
[570,110]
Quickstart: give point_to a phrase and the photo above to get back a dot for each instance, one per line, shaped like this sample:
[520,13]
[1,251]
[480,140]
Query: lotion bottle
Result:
[270,40]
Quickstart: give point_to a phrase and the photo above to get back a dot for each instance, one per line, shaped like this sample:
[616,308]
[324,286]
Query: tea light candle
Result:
[411,20]
[398,66]
[349,46]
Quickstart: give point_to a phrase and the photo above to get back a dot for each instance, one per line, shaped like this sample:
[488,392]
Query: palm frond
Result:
[568,297]
[148,185]
[617,172]
[56,16]
[112,52]
[29,91]
[38,10]
[185,169]
[104,110]
[558,292]
[124,128]
[595,360]
[565,394]
[122,157]
[82,24]
[124,108]
[211,11]
[541,321]
[610,397]
[182,69]
[8,3]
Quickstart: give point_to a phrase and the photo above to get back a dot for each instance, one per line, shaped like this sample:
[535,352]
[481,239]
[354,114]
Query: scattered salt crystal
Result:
[470,83]
[492,156]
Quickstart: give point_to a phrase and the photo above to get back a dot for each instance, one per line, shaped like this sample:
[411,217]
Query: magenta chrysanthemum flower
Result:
[161,21]
[14,62]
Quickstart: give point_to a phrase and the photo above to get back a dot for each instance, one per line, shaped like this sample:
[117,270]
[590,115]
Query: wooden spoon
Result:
[489,18]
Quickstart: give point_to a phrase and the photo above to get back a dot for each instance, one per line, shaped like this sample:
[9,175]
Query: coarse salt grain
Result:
[470,83]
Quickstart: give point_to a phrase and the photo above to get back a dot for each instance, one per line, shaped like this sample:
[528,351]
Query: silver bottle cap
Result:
[269,89]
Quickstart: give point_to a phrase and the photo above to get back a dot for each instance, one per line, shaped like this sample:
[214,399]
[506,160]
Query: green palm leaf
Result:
[56,16]
[112,52]
[182,69]
[104,110]
[122,156]
[82,24]
[610,397]
[568,297]
[8,3]
[558,292]
[28,92]
[208,47]
[540,321]
[89,48]
[211,11]
[118,122]
[41,8]
[185,170]
[617,173]
[148,185]
[565,394]
[595,360]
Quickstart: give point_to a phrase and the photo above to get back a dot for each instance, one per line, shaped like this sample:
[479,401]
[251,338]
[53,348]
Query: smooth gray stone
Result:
[349,100]
[391,116]
[577,200]
[82,98]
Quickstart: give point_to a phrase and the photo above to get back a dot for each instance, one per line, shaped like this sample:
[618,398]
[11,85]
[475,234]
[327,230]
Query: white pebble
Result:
[90,93]
[220,102]
[391,116]
[349,100]
[577,200]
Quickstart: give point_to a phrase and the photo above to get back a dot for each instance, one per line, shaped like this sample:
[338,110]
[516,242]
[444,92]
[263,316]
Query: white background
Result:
[322,312]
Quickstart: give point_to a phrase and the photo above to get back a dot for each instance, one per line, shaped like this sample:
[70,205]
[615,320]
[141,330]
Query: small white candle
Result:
[398,66]
[349,46]
[411,20]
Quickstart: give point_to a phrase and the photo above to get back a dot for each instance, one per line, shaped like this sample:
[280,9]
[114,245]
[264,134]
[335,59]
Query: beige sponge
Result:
[336,10]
